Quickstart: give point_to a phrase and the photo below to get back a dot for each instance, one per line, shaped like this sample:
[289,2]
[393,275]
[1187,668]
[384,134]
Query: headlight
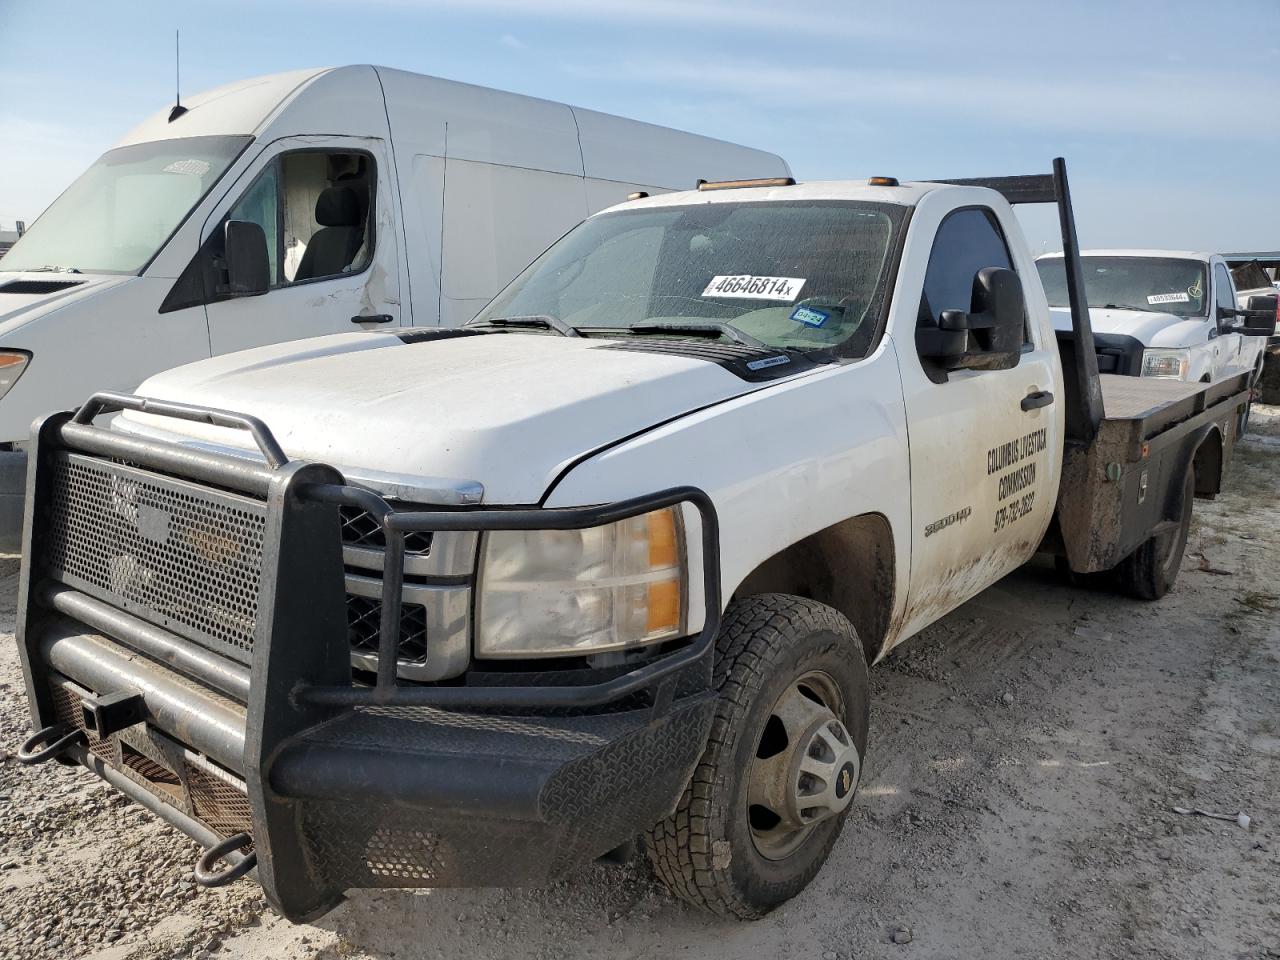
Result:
[1166,364]
[563,592]
[12,363]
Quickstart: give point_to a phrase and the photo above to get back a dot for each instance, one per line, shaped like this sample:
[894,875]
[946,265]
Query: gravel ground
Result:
[1026,755]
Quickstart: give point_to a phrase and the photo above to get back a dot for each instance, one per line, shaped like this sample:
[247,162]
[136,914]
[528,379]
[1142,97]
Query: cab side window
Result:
[316,209]
[1225,297]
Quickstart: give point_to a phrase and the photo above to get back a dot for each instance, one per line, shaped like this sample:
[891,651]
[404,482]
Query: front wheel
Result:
[1150,571]
[783,761]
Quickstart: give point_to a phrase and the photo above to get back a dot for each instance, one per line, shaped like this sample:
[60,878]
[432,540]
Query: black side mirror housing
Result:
[1259,316]
[987,338]
[247,259]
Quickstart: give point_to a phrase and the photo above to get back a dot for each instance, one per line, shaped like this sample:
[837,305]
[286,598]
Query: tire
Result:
[709,851]
[1150,571]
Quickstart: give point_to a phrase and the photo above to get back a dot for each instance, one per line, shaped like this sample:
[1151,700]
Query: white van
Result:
[300,204]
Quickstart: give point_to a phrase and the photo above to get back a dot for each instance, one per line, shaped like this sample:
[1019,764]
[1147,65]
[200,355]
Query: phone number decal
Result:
[1014,510]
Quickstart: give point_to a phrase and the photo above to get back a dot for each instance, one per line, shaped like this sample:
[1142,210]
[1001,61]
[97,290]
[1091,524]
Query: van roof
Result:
[302,102]
[240,107]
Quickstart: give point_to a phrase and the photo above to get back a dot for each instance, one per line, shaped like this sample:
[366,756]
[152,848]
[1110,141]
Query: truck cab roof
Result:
[1202,255]
[907,193]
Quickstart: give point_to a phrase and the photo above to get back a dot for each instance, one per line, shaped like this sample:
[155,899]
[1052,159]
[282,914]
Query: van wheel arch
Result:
[849,566]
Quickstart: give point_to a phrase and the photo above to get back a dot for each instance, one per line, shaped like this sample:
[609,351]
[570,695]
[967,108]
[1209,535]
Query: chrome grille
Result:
[182,556]
[364,615]
[361,529]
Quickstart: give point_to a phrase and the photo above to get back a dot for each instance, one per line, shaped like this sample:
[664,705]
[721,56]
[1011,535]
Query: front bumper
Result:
[495,779]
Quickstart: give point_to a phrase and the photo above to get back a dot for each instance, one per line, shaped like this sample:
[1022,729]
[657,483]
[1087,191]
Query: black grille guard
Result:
[584,765]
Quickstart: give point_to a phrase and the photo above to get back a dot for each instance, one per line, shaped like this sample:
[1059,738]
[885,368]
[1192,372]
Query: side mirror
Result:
[1259,316]
[987,338]
[248,262]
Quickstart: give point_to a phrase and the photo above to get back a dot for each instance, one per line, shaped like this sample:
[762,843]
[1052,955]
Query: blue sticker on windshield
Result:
[809,316]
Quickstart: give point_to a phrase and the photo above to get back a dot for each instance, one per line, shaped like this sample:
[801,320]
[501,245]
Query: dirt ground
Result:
[1026,756]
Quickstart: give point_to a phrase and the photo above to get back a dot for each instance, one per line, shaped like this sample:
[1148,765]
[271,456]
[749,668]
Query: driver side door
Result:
[324,210]
[985,445]
[1227,357]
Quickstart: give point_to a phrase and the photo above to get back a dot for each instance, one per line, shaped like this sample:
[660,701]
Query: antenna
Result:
[178,109]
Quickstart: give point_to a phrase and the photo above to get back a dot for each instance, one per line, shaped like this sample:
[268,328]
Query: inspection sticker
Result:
[748,287]
[1179,297]
[810,316]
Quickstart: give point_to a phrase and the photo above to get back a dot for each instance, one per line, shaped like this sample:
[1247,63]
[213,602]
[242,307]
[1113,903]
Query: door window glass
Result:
[967,242]
[316,209]
[260,205]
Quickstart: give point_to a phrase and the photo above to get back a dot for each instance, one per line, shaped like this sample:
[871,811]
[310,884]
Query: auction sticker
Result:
[1179,297]
[748,287]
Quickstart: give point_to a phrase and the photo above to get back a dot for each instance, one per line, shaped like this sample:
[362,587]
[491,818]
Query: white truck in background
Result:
[1167,314]
[300,204]
[472,607]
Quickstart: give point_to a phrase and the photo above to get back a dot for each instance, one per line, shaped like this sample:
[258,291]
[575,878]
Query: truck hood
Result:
[509,411]
[28,296]
[1149,329]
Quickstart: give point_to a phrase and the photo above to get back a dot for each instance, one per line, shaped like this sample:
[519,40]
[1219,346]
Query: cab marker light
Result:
[736,184]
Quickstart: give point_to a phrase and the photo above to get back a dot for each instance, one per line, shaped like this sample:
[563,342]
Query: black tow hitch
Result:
[100,716]
[111,713]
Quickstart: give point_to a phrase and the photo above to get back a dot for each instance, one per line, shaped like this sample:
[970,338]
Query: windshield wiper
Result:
[703,328]
[1126,306]
[53,269]
[540,321]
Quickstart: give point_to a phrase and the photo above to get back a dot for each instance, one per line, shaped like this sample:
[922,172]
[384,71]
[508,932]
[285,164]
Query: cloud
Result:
[1176,104]
[828,18]
[511,42]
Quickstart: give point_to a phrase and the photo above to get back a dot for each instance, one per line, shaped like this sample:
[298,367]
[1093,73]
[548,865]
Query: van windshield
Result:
[805,274]
[120,211]
[1152,284]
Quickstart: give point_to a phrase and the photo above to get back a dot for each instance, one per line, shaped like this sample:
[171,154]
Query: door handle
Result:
[373,318]
[1037,399]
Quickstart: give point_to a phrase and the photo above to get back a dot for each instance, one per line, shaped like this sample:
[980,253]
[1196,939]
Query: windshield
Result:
[804,274]
[121,210]
[1153,284]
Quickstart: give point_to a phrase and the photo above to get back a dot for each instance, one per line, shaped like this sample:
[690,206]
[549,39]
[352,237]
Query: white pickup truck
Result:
[475,606]
[1170,314]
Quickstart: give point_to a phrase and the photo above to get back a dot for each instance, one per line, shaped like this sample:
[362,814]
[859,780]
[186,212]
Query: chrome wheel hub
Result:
[806,768]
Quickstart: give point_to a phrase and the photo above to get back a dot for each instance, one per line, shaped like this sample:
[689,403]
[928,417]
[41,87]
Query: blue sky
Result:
[1168,112]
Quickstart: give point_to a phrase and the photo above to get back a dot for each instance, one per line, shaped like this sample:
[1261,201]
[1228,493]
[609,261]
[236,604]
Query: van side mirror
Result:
[1259,316]
[987,338]
[248,262]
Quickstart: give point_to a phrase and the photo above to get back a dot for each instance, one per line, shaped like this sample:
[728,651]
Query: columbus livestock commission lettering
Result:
[1017,480]
[1015,451]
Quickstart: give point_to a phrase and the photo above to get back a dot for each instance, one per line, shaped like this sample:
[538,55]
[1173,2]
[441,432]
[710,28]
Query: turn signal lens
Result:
[12,364]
